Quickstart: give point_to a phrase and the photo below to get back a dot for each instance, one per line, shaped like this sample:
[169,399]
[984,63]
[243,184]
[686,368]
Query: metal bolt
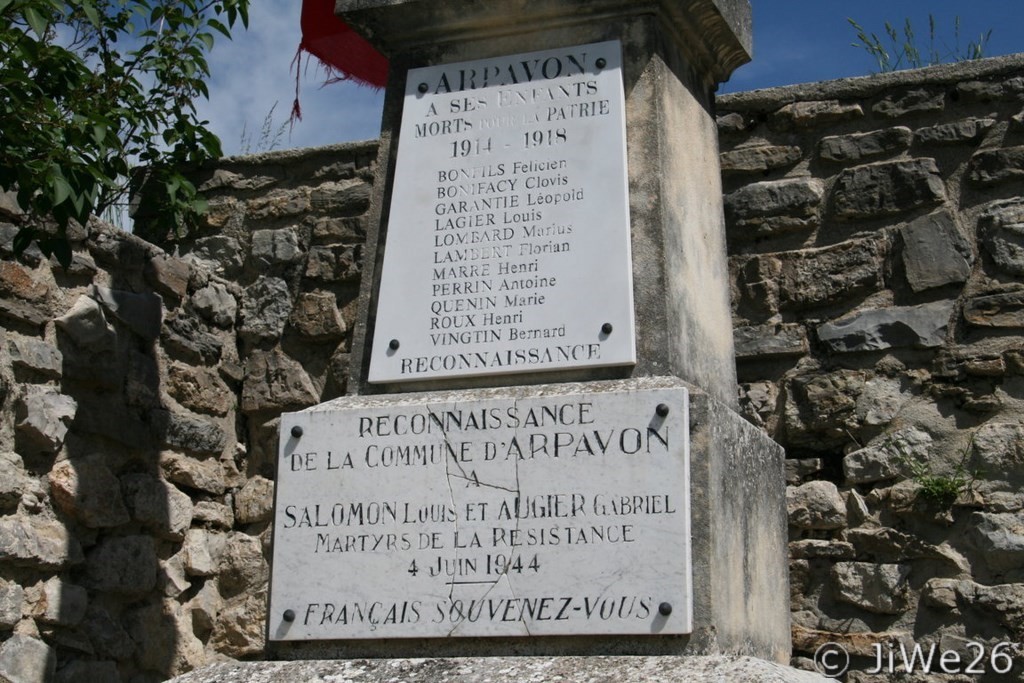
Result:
[289,615]
[423,87]
[601,63]
[606,328]
[662,409]
[297,431]
[665,609]
[394,344]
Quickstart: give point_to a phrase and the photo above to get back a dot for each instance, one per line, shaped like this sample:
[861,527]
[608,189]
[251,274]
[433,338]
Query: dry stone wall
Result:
[876,232]
[876,258]
[140,394]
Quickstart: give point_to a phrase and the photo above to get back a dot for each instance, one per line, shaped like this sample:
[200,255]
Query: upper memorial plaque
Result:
[508,246]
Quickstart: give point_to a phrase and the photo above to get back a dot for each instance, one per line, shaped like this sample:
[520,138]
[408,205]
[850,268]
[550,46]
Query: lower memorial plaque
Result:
[529,512]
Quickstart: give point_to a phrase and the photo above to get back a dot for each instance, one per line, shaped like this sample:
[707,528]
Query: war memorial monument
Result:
[539,453]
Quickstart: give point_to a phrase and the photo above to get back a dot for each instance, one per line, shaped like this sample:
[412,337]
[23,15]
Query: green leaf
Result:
[22,240]
[61,190]
[37,21]
[62,250]
[90,12]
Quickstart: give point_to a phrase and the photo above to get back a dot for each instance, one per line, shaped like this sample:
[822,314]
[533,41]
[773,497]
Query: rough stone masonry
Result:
[877,254]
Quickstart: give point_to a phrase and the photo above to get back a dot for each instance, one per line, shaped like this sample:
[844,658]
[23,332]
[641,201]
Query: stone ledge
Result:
[496,669]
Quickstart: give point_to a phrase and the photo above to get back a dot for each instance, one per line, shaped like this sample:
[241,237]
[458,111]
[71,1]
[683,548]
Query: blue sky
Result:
[795,41]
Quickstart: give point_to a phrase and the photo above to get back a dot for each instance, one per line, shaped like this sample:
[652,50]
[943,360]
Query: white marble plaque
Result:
[508,242]
[528,515]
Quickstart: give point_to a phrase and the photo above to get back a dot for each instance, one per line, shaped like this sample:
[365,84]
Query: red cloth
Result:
[344,53]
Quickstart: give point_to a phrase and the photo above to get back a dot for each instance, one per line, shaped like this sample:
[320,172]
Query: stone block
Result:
[12,602]
[821,549]
[204,608]
[24,659]
[168,275]
[880,401]
[919,327]
[62,603]
[814,277]
[171,576]
[216,304]
[346,198]
[988,91]
[239,629]
[85,489]
[999,537]
[812,114]
[935,253]
[13,480]
[757,285]
[99,414]
[886,188]
[241,568]
[202,474]
[106,634]
[878,588]
[185,336]
[199,389]
[217,515]
[774,207]
[1003,309]
[142,380]
[334,263]
[255,501]
[821,409]
[967,130]
[188,432]
[799,469]
[122,565]
[910,102]
[273,381]
[731,123]
[23,313]
[265,310]
[42,418]
[93,672]
[224,252]
[158,505]
[857,146]
[164,637]
[141,313]
[997,450]
[770,341]
[87,326]
[20,282]
[279,204]
[82,265]
[1001,227]
[331,229]
[271,248]
[889,458]
[34,358]
[316,317]
[37,543]
[201,551]
[994,166]
[816,505]
[759,158]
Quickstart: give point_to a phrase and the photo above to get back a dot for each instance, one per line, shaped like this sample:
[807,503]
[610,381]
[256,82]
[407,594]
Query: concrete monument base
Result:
[737,539]
[518,669]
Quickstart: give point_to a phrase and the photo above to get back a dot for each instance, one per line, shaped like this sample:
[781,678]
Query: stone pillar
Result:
[675,52]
